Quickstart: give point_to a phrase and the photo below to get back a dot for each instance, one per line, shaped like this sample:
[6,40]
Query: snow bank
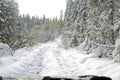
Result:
[9,65]
[5,50]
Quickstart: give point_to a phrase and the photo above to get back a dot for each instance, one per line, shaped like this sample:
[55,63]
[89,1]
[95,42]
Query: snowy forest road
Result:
[50,59]
[54,60]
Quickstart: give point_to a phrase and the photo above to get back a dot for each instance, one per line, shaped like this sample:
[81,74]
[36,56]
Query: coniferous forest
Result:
[83,40]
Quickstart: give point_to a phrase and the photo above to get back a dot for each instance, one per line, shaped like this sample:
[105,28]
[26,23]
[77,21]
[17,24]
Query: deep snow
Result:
[51,59]
[5,50]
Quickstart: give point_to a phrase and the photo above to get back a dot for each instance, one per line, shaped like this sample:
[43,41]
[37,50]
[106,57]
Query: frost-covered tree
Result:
[27,22]
[35,30]
[8,20]
[96,23]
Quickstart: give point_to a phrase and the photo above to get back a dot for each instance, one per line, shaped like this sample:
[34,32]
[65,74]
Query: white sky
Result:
[51,8]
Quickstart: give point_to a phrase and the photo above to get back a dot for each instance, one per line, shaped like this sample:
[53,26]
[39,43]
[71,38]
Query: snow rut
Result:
[50,63]
[35,66]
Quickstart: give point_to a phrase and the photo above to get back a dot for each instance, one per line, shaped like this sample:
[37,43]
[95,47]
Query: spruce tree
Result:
[8,20]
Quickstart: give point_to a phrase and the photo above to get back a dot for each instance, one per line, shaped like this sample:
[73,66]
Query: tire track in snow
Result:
[35,66]
[67,68]
[50,63]
[69,63]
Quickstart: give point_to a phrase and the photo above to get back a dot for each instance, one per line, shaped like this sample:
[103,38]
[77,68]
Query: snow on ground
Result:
[51,59]
[5,50]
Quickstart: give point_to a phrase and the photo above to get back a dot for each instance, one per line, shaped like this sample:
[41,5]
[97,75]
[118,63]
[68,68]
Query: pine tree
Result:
[94,23]
[8,20]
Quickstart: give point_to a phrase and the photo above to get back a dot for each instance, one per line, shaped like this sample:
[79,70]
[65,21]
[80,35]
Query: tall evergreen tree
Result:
[8,19]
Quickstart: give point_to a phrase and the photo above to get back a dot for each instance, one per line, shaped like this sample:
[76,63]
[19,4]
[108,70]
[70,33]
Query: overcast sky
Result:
[51,8]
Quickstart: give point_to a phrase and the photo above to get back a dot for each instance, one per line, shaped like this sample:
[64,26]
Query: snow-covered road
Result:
[51,59]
